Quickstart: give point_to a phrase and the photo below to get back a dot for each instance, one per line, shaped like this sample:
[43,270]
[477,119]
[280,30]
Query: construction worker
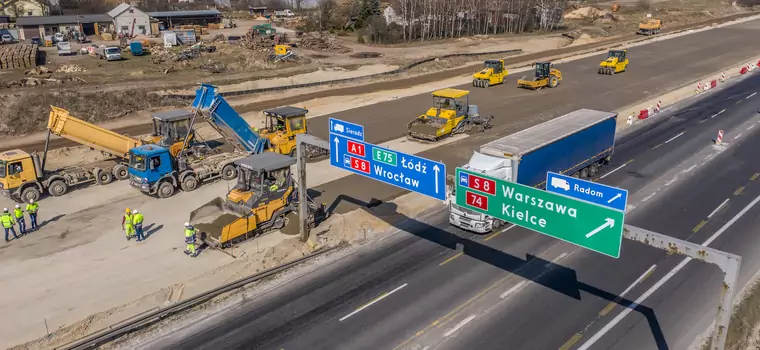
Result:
[190,233]
[18,214]
[7,221]
[127,225]
[137,221]
[32,209]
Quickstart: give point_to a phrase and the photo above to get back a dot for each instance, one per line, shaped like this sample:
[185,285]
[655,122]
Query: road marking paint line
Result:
[702,121]
[459,325]
[738,191]
[381,297]
[614,170]
[555,260]
[570,342]
[753,94]
[690,168]
[620,297]
[451,258]
[718,208]
[699,226]
[591,341]
[675,137]
[512,290]
[658,146]
[717,114]
[649,197]
[751,127]
[738,102]
[498,233]
[755,176]
[671,181]
[737,136]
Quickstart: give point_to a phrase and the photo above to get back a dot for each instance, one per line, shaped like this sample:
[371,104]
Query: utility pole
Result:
[302,153]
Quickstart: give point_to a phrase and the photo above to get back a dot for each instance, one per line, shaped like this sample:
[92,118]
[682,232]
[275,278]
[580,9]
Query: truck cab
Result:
[16,169]
[148,165]
[469,219]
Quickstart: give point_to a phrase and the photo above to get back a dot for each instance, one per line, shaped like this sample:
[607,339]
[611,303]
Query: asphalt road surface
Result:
[520,290]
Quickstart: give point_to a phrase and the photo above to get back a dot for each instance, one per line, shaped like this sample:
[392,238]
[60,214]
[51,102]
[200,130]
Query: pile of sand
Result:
[586,13]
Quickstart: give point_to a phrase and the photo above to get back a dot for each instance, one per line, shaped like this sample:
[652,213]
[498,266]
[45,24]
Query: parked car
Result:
[64,48]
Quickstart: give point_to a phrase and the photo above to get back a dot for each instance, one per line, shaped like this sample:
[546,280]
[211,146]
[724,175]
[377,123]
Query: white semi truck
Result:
[577,143]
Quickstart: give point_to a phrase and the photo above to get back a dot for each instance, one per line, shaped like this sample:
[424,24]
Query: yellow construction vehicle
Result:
[282,124]
[265,198]
[23,176]
[451,114]
[283,52]
[616,62]
[545,75]
[651,27]
[493,73]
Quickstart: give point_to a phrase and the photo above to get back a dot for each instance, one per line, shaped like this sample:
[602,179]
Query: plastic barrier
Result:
[713,84]
[643,114]
[744,70]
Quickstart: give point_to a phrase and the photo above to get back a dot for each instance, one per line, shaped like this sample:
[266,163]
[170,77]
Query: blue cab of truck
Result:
[147,165]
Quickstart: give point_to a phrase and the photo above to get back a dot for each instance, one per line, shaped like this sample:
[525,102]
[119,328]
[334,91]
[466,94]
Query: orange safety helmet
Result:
[128,211]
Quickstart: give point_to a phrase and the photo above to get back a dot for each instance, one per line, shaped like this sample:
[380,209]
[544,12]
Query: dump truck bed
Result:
[63,124]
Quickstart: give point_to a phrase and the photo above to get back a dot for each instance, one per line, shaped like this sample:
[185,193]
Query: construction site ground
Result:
[78,273]
[101,98]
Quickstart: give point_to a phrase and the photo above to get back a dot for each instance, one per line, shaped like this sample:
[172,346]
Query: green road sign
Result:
[575,221]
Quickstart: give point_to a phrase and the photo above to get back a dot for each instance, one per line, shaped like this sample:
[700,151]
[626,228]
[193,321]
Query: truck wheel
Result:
[30,194]
[120,172]
[553,82]
[103,178]
[58,188]
[229,172]
[189,183]
[584,173]
[165,189]
[592,169]
[496,224]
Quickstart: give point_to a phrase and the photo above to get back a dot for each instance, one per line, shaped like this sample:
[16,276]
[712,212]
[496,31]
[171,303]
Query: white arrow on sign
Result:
[607,223]
[436,169]
[614,198]
[336,150]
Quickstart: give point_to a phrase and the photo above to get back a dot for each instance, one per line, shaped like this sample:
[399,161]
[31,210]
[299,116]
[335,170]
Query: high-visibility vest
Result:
[189,235]
[137,219]
[18,213]
[127,219]
[6,220]
[32,208]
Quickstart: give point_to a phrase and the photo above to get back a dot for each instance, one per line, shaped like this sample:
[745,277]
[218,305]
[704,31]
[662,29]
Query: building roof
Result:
[287,111]
[451,93]
[195,13]
[267,161]
[119,9]
[41,20]
[174,114]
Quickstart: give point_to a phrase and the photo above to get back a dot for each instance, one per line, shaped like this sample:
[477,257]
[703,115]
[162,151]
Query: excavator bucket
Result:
[212,219]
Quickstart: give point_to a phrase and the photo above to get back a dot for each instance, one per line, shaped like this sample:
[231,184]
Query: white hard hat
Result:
[187,224]
[5,209]
[134,211]
[18,205]
[31,201]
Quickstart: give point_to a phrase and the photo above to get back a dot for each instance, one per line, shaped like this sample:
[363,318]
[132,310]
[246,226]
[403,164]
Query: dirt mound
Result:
[586,13]
[25,113]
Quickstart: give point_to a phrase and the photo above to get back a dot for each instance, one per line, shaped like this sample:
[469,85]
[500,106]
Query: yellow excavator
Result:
[451,114]
[545,75]
[265,198]
[616,62]
[493,73]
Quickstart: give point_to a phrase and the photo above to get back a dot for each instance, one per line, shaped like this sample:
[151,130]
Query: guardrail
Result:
[130,325]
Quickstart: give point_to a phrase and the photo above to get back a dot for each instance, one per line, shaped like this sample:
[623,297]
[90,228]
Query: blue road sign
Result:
[607,196]
[403,170]
[346,129]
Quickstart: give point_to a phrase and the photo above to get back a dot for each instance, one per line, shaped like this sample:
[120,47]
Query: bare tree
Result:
[17,10]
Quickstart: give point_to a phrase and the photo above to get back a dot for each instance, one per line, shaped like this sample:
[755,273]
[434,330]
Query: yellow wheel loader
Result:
[616,62]
[451,114]
[493,73]
[546,75]
[265,198]
[282,124]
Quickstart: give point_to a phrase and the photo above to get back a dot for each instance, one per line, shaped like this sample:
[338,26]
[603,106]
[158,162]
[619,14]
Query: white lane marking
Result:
[459,325]
[675,137]
[702,121]
[613,170]
[751,127]
[718,208]
[717,114]
[554,261]
[690,168]
[591,341]
[638,280]
[649,197]
[753,94]
[512,290]
[671,181]
[372,302]
[737,136]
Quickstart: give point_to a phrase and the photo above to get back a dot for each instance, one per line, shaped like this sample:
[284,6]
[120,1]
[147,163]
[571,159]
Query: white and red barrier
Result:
[630,120]
[719,139]
[659,105]
[723,76]
[699,87]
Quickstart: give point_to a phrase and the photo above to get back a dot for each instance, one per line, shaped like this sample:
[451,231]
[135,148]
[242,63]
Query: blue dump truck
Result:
[577,143]
[154,171]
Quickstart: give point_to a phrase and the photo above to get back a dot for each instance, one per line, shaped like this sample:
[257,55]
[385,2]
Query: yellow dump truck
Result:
[265,198]
[651,27]
[23,176]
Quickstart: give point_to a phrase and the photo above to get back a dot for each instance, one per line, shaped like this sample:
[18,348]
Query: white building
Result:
[129,19]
